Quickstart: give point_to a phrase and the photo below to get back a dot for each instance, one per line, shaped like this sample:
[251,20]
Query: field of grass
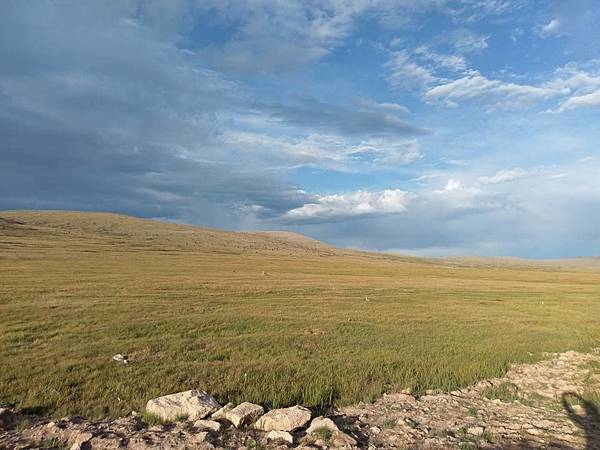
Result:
[270,318]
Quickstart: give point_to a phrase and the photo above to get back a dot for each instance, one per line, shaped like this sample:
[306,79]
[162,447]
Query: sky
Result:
[424,127]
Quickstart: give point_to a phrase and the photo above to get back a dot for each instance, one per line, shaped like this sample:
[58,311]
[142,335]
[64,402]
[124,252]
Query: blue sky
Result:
[427,127]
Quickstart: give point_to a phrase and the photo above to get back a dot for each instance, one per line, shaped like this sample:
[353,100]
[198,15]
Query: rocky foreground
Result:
[542,405]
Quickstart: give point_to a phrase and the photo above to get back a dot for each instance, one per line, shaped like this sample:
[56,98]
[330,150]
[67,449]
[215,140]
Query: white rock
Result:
[319,423]
[220,414]
[243,414]
[475,431]
[207,425]
[120,358]
[284,436]
[192,404]
[284,419]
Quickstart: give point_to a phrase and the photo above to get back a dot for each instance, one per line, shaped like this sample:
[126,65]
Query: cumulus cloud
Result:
[326,208]
[487,219]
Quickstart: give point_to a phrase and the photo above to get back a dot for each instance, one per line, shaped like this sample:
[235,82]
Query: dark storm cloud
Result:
[99,111]
[362,120]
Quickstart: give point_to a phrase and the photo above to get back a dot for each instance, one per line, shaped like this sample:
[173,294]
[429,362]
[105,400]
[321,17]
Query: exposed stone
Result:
[284,436]
[200,437]
[192,404]
[341,439]
[475,431]
[79,440]
[121,358]
[284,419]
[220,414]
[320,423]
[207,425]
[243,414]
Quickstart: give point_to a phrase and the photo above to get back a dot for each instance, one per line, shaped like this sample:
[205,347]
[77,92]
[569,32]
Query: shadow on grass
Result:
[587,417]
[35,411]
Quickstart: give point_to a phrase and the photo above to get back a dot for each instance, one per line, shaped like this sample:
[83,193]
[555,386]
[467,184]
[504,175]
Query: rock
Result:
[243,414]
[7,418]
[121,358]
[207,425]
[340,439]
[284,436]
[475,431]
[54,425]
[81,441]
[320,423]
[284,419]
[220,414]
[192,404]
[200,437]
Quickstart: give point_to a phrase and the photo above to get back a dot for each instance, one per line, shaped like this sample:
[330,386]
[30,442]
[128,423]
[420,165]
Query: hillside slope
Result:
[119,229]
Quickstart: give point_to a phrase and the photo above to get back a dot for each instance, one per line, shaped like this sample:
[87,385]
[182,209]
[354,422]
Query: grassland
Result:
[270,318]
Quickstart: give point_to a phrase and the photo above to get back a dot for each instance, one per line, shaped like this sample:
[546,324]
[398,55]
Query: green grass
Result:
[507,392]
[389,423]
[52,443]
[324,434]
[192,309]
[152,420]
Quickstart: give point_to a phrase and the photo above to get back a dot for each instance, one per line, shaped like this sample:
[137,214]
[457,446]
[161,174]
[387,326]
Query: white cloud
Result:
[491,7]
[551,28]
[451,185]
[385,106]
[580,101]
[476,86]
[577,84]
[406,73]
[466,41]
[503,176]
[359,203]
[452,62]
[324,150]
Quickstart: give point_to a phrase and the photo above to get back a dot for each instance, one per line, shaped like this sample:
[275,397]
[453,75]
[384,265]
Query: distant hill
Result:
[135,233]
[119,228]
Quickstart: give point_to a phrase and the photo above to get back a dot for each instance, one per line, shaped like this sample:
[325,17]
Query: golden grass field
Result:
[273,318]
